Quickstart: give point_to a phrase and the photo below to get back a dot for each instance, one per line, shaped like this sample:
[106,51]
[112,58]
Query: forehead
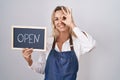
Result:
[58,13]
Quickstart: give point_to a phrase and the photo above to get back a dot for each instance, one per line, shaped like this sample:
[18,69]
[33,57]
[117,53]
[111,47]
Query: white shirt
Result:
[82,44]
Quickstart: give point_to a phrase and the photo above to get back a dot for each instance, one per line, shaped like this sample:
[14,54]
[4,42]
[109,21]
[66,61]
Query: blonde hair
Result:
[55,32]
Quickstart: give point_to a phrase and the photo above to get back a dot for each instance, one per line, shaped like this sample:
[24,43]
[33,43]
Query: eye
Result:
[55,19]
[63,18]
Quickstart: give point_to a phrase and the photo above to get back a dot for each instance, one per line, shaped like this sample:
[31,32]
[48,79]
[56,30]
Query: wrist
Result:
[72,25]
[30,62]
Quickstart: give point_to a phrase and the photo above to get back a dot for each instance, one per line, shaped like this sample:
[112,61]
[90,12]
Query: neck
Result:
[63,36]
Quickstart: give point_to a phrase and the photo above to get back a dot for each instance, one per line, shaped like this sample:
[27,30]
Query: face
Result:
[58,21]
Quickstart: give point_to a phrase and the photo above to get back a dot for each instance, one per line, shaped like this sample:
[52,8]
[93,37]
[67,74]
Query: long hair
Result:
[55,32]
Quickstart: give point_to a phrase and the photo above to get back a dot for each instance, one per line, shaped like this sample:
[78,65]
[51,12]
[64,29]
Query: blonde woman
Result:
[60,61]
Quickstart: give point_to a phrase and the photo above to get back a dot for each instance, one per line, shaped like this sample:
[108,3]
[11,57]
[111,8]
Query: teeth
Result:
[62,24]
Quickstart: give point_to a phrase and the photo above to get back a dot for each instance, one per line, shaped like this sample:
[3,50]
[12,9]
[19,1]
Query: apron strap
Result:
[53,45]
[70,41]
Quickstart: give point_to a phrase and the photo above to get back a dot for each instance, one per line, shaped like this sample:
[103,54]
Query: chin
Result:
[63,30]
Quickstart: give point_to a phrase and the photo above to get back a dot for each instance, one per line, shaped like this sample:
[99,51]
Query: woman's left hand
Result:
[67,18]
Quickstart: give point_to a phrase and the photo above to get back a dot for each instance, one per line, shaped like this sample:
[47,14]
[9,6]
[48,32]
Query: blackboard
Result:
[29,37]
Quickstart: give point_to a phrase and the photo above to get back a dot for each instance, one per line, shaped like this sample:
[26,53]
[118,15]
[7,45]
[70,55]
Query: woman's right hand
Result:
[27,52]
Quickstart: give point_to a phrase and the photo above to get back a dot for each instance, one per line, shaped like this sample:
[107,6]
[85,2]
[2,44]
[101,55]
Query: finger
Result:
[64,22]
[31,48]
[64,12]
[27,54]
[23,50]
[29,51]
[68,11]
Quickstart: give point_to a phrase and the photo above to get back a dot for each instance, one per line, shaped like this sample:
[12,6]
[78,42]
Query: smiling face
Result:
[58,21]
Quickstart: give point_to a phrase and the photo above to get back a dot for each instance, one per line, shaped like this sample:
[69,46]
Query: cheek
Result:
[55,22]
[57,27]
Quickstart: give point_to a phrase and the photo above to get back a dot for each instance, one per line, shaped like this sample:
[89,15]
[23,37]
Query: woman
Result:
[60,61]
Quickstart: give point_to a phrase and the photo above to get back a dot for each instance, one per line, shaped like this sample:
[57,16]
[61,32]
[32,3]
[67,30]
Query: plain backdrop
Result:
[100,18]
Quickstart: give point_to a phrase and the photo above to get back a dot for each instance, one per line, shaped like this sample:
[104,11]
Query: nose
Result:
[60,21]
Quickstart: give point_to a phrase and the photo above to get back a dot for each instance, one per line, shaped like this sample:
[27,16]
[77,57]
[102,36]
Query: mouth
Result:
[61,25]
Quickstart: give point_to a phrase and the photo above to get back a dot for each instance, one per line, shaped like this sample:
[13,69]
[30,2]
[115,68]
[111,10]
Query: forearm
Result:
[80,35]
[30,62]
[86,41]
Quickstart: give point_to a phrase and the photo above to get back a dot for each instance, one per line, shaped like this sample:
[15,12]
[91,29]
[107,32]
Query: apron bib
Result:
[61,65]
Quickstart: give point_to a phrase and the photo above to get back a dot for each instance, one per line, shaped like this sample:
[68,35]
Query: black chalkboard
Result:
[29,37]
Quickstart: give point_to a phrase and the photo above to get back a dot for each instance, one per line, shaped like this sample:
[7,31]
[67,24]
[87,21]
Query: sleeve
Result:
[87,43]
[39,66]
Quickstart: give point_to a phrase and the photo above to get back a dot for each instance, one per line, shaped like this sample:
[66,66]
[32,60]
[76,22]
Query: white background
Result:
[100,18]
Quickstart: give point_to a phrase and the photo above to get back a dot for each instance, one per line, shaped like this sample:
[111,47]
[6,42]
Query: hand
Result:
[27,55]
[67,18]
[27,52]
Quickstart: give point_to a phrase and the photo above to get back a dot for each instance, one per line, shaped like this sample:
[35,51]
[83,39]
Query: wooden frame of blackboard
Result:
[29,27]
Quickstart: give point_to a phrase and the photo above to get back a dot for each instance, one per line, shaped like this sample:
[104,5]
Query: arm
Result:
[86,41]
[38,66]
[27,55]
